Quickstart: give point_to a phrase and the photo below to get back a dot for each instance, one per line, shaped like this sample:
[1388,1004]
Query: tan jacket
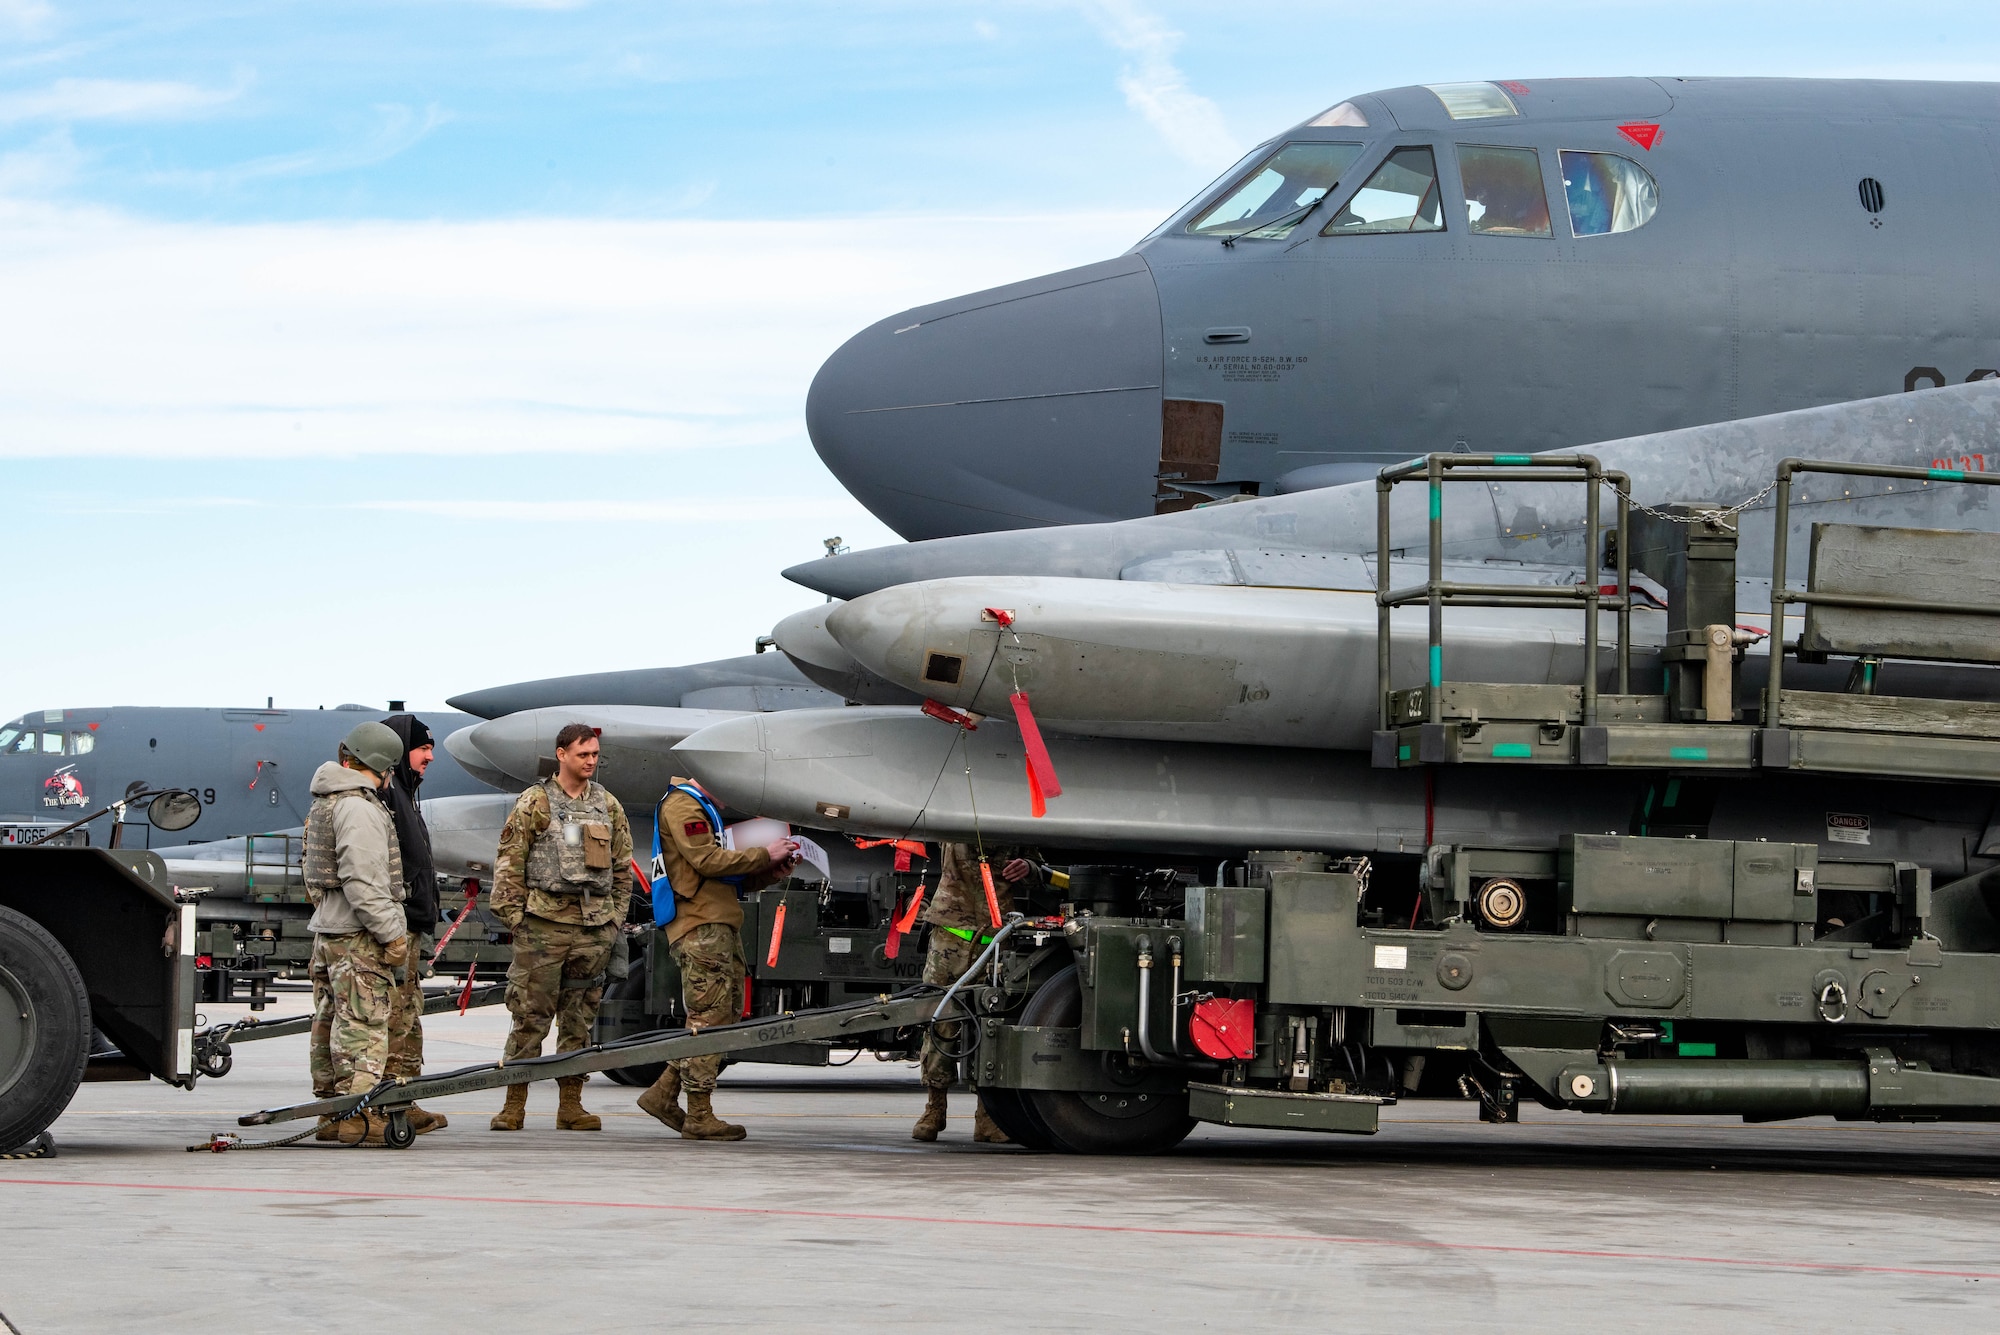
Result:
[694,859]
[370,898]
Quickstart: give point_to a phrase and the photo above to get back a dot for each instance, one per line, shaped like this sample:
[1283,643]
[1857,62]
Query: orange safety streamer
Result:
[777,936]
[465,997]
[1039,765]
[1038,805]
[905,849]
[992,900]
[909,918]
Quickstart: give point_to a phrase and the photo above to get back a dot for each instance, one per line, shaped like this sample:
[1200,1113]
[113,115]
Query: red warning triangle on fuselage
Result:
[1641,133]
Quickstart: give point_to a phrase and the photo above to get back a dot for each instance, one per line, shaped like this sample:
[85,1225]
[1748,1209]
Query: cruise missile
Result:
[753,681]
[886,770]
[1295,539]
[804,639]
[1198,663]
[520,749]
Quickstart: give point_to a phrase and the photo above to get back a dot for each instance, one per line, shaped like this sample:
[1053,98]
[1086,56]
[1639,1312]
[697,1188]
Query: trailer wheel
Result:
[1092,1122]
[44,1029]
[399,1134]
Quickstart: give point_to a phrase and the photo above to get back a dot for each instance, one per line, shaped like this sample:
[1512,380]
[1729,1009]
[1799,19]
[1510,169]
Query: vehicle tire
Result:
[44,1029]
[1010,1112]
[1094,1122]
[632,987]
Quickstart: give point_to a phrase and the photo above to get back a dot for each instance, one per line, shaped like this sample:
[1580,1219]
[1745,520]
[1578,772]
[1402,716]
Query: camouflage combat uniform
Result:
[706,933]
[961,926]
[564,900]
[354,877]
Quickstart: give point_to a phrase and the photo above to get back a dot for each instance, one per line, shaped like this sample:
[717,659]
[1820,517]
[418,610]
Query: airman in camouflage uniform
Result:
[961,927]
[563,884]
[706,940]
[353,875]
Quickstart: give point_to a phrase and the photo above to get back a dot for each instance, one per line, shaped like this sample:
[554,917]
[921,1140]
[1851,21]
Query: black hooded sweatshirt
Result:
[419,871]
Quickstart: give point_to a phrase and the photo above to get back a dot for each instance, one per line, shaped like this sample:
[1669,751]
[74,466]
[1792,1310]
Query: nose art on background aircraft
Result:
[1036,403]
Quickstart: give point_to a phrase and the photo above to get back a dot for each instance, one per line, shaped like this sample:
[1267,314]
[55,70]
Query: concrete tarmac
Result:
[829,1218]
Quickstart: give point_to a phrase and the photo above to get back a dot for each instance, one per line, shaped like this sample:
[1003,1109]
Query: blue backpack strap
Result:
[664,906]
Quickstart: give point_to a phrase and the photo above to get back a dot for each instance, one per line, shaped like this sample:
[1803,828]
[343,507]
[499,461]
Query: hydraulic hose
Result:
[1174,1028]
[1013,920]
[1146,1002]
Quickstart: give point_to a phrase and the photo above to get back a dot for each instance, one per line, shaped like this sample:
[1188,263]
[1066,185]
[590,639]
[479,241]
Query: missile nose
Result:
[502,751]
[1032,404]
[730,761]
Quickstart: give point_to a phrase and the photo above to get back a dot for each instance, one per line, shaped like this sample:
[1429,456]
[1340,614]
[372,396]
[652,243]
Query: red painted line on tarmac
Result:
[1592,1254]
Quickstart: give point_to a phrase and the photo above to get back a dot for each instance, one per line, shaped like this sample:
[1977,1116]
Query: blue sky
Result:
[442,321]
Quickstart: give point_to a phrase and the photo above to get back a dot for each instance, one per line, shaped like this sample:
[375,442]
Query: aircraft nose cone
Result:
[1036,403]
[730,761]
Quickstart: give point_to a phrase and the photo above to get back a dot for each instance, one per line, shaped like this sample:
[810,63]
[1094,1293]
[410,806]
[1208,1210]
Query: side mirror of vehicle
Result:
[174,810]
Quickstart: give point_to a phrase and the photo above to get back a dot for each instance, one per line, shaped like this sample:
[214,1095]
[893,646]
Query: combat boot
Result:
[570,1112]
[515,1114]
[984,1130]
[329,1130]
[354,1128]
[932,1121]
[423,1121]
[663,1100]
[378,1129]
[703,1124]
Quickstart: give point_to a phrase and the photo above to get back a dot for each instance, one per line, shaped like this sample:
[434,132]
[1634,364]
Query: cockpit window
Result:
[52,744]
[7,736]
[81,743]
[1344,114]
[1473,101]
[1278,195]
[1503,191]
[1402,196]
[1607,193]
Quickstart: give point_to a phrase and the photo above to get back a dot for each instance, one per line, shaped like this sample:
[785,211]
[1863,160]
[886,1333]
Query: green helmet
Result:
[374,745]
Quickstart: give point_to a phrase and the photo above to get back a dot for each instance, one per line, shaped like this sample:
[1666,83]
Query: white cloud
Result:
[1155,87]
[397,129]
[68,100]
[127,338]
[25,16]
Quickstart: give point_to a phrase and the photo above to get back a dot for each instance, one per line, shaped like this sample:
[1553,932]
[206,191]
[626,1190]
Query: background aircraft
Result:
[1495,267]
[250,767]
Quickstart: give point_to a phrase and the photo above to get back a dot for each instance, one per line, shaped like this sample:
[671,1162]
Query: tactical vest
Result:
[320,863]
[573,855]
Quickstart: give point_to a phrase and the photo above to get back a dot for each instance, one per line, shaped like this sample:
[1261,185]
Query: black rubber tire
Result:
[399,1134]
[632,987]
[1071,1122]
[1010,1112]
[44,1029]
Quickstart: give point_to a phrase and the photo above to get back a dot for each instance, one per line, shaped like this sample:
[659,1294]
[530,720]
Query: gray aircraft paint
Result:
[213,752]
[464,830]
[1761,285]
[751,682]
[1297,539]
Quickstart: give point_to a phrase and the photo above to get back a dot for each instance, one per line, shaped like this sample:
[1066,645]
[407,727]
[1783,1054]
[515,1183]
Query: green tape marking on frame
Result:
[1402,753]
[1696,1049]
[1437,502]
[1512,459]
[1948,474]
[1689,753]
[1512,751]
[1437,665]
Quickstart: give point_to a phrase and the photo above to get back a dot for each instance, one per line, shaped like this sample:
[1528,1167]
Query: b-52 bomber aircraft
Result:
[1505,267]
[249,767]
